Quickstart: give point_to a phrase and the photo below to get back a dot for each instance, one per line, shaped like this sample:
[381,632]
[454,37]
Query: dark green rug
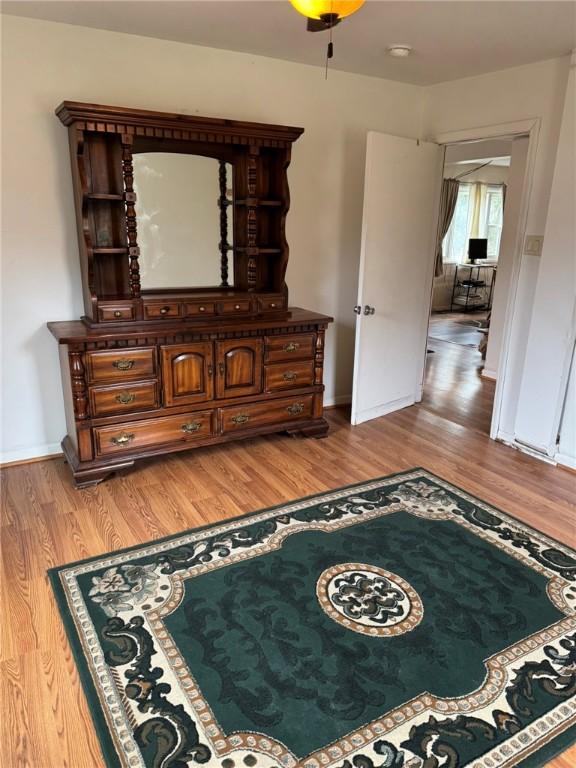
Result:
[398,622]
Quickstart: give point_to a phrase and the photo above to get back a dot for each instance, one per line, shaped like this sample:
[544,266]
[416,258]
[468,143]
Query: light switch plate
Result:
[533,245]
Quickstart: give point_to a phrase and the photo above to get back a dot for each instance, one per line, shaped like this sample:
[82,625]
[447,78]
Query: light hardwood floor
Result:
[454,388]
[45,719]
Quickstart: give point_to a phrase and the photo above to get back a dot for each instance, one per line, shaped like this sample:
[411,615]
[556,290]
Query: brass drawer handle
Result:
[118,313]
[201,309]
[221,369]
[122,439]
[164,310]
[191,426]
[242,418]
[125,397]
[295,409]
[123,364]
[291,347]
[272,305]
[290,376]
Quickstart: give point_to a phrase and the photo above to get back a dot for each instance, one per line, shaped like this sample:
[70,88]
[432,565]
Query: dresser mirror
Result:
[184,219]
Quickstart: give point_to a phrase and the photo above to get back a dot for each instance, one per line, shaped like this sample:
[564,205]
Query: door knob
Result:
[357,309]
[368,310]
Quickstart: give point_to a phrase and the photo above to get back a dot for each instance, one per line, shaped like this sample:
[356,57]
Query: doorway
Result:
[456,385]
[402,192]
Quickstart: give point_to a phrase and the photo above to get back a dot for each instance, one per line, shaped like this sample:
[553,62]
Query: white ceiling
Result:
[496,150]
[450,39]
[503,162]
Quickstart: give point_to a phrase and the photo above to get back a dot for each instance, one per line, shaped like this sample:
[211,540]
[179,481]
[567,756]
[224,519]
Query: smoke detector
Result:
[399,51]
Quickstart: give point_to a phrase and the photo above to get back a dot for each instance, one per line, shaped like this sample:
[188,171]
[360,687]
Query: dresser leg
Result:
[81,481]
[318,429]
[85,473]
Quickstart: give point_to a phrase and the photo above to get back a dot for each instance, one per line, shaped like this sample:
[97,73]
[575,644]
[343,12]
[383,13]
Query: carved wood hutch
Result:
[150,371]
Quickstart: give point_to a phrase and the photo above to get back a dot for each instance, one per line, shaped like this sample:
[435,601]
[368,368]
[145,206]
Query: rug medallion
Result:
[397,622]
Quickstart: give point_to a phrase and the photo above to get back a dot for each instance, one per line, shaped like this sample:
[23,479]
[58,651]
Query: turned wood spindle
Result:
[252,218]
[223,203]
[131,225]
[78,385]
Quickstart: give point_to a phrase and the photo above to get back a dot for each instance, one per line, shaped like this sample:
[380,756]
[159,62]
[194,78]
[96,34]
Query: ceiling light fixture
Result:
[399,51]
[325,14]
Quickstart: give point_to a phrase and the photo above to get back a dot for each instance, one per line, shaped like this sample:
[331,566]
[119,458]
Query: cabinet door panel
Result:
[188,374]
[239,364]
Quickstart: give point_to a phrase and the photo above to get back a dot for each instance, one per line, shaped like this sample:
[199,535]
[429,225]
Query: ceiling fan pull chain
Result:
[329,53]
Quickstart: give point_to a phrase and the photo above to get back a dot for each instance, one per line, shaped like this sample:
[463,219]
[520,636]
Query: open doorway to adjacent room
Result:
[477,227]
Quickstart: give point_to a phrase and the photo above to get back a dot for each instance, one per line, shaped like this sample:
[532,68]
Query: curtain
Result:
[448,198]
[478,199]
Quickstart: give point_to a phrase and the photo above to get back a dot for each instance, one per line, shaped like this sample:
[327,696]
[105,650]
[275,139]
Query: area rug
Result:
[398,622]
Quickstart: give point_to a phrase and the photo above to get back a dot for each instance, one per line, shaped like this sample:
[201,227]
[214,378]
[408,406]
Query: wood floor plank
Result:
[46,723]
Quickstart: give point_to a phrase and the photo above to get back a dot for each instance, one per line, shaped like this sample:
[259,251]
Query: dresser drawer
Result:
[233,306]
[299,373]
[136,435]
[121,364]
[253,415]
[123,398]
[271,303]
[161,310]
[295,347]
[199,309]
[114,313]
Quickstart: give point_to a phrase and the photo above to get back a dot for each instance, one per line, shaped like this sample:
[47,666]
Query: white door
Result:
[400,218]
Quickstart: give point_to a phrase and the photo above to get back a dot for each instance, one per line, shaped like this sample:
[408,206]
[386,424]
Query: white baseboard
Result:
[375,413]
[505,437]
[330,402]
[565,460]
[487,373]
[25,454]
[511,442]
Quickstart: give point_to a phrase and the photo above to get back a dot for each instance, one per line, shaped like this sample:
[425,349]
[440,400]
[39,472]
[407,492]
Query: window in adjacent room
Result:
[478,213]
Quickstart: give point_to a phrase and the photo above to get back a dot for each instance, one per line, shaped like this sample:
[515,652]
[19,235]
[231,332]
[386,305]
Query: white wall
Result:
[535,91]
[45,63]
[552,325]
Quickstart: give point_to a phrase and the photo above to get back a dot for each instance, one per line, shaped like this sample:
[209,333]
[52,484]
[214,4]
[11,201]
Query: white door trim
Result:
[531,128]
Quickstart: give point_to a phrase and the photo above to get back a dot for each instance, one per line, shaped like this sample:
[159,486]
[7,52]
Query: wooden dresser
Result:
[150,371]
